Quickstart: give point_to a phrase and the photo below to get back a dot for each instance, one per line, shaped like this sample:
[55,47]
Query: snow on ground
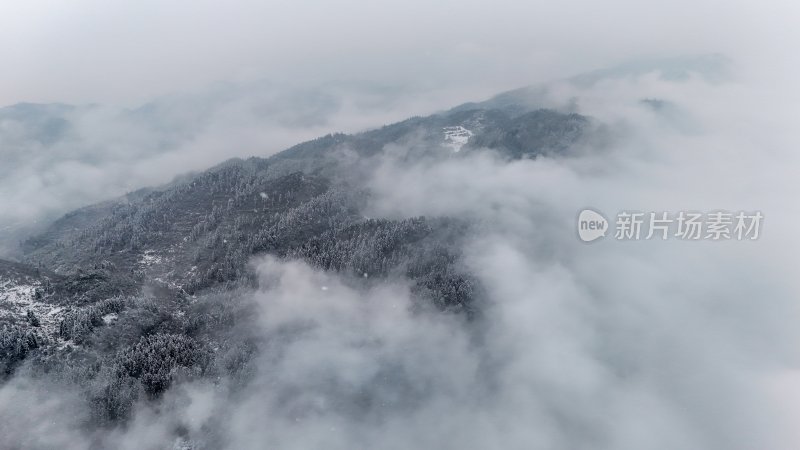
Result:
[110,317]
[149,258]
[455,137]
[18,297]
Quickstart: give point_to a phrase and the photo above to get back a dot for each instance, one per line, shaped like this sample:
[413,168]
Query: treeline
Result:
[16,342]
[79,322]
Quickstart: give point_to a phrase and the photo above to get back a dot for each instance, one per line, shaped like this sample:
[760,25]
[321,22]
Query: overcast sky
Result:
[95,51]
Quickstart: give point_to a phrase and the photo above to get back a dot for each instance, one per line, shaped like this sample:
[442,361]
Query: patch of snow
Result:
[110,317]
[149,258]
[18,297]
[456,137]
[168,283]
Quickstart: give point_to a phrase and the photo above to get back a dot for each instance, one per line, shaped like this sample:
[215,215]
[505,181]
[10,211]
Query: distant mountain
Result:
[49,151]
[202,230]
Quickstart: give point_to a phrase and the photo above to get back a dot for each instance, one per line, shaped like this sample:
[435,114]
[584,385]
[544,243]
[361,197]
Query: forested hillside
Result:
[122,299]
